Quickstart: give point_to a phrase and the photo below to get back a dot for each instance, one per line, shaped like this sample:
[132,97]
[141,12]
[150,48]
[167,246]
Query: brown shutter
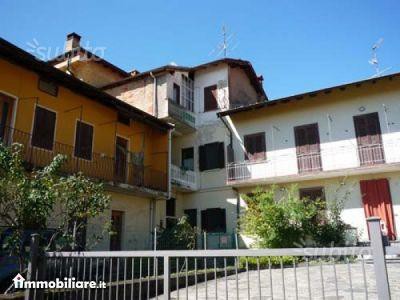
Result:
[83,140]
[255,146]
[221,155]
[43,128]
[202,158]
[308,147]
[210,98]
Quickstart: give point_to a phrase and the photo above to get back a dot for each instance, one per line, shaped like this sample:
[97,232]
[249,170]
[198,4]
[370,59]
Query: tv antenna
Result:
[374,60]
[227,45]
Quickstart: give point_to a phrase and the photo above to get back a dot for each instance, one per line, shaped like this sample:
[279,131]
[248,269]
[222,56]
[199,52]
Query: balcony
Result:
[184,180]
[182,116]
[333,160]
[121,173]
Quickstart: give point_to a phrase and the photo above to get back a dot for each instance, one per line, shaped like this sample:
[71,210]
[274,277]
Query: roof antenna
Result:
[374,60]
[225,47]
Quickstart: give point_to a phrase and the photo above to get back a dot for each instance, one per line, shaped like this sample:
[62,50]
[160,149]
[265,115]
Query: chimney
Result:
[73,41]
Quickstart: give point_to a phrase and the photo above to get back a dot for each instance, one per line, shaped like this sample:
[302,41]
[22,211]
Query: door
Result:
[116,228]
[308,148]
[121,159]
[369,140]
[5,116]
[377,202]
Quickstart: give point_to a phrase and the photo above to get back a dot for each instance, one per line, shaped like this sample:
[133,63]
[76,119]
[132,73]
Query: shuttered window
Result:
[48,87]
[255,146]
[308,148]
[83,140]
[210,98]
[43,128]
[213,220]
[369,140]
[211,156]
[312,194]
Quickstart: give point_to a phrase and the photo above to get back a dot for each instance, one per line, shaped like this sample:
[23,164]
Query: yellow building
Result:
[51,112]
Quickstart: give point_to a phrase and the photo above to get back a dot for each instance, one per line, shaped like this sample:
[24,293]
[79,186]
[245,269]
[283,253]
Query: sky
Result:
[298,46]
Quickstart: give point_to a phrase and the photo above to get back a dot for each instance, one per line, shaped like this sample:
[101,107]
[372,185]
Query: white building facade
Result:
[340,144]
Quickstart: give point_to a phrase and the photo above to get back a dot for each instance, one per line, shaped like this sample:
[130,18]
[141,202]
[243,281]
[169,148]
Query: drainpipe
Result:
[155,100]
[169,161]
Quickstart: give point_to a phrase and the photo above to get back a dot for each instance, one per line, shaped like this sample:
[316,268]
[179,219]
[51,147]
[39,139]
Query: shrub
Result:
[291,222]
[180,236]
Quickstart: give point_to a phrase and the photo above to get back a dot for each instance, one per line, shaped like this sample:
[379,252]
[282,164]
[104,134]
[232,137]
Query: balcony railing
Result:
[183,178]
[286,162]
[100,166]
[181,113]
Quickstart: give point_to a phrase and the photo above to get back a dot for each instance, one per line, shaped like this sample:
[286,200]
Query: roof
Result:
[80,51]
[306,95]
[246,65]
[24,59]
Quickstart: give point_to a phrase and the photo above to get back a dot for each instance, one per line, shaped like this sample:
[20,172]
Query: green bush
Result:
[289,222]
[265,262]
[180,236]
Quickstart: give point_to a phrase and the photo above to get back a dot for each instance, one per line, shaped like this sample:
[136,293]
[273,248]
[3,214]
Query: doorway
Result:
[6,107]
[116,228]
[121,158]
[377,202]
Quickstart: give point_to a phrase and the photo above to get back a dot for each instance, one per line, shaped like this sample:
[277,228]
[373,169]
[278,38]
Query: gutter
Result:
[155,104]
[169,161]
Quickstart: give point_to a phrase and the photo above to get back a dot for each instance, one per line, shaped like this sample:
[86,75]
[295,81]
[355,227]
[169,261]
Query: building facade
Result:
[339,144]
[50,112]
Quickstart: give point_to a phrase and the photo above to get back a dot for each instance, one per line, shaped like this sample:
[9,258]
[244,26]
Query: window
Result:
[48,87]
[312,194]
[44,126]
[211,156]
[188,159]
[170,212]
[255,146]
[192,216]
[187,93]
[213,220]
[170,207]
[83,140]
[369,140]
[210,98]
[307,148]
[116,228]
[123,118]
[176,97]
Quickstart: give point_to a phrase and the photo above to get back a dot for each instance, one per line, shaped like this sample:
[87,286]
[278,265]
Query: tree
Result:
[289,221]
[180,236]
[29,198]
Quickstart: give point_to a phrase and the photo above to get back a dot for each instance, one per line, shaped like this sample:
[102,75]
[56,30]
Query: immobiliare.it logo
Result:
[65,283]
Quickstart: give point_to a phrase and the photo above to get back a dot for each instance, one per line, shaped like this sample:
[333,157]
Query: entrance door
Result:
[116,228]
[5,116]
[378,202]
[121,158]
[369,140]
[308,148]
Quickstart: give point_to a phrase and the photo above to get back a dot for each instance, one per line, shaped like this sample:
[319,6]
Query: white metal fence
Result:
[296,273]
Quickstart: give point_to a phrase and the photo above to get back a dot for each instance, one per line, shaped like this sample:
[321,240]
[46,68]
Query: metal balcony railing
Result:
[181,113]
[100,166]
[287,163]
[183,178]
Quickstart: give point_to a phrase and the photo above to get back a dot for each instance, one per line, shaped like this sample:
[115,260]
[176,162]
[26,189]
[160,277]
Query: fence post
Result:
[378,254]
[167,273]
[33,265]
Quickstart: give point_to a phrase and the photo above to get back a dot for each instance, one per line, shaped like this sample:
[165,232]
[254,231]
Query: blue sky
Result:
[297,46]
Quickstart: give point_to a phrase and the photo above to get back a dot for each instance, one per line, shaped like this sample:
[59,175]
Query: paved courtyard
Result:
[318,289]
